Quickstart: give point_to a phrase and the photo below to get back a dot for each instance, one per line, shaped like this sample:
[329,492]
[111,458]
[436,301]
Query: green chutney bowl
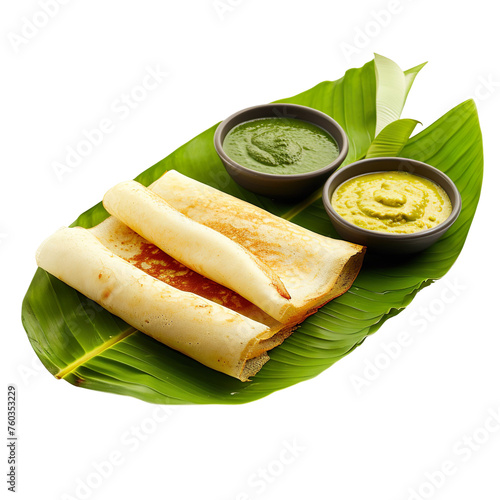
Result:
[281,186]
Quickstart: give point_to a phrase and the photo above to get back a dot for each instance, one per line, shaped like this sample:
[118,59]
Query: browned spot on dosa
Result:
[158,264]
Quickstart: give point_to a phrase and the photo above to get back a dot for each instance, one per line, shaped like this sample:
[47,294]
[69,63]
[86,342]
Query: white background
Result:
[380,441]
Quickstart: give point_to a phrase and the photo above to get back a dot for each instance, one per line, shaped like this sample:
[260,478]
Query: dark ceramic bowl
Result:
[385,242]
[277,185]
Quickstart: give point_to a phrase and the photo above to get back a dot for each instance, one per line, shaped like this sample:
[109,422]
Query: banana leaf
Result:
[393,86]
[79,341]
[392,139]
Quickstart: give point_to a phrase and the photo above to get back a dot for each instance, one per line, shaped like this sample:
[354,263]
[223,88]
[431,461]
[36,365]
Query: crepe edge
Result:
[257,353]
[345,280]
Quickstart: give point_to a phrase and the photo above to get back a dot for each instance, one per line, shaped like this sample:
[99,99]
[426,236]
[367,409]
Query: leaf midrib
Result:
[95,352]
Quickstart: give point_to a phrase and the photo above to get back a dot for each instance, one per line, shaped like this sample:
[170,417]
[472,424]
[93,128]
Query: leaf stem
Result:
[63,372]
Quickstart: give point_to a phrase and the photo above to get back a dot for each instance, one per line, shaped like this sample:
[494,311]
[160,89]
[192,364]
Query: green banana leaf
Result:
[392,139]
[393,86]
[81,342]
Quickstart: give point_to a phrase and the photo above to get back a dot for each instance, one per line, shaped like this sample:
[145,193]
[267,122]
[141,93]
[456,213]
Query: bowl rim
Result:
[343,150]
[440,228]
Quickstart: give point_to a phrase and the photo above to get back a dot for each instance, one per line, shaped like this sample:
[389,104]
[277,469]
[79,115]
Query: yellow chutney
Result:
[392,202]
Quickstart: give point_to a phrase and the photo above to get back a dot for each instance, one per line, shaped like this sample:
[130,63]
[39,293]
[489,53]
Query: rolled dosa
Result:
[198,247]
[216,336]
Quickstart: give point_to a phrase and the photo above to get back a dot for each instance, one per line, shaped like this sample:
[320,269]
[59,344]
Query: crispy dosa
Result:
[216,336]
[198,247]
[201,271]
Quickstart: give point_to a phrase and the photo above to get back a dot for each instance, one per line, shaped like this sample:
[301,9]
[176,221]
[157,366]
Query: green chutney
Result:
[280,146]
